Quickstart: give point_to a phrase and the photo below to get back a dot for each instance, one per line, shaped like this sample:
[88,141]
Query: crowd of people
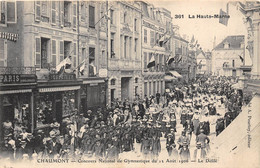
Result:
[144,126]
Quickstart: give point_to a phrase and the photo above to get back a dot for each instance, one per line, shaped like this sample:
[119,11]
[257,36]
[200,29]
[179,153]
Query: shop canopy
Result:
[169,78]
[175,74]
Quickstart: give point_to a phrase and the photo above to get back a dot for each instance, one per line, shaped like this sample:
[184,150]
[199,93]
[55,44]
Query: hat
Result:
[169,134]
[198,144]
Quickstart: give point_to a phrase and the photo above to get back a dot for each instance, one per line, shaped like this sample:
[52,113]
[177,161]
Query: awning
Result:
[176,74]
[16,91]
[59,89]
[169,78]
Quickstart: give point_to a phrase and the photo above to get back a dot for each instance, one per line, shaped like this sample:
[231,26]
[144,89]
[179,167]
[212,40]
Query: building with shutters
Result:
[156,29]
[124,51]
[93,50]
[227,56]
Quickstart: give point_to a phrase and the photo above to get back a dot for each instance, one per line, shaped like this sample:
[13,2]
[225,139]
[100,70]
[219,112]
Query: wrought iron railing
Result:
[251,76]
[17,70]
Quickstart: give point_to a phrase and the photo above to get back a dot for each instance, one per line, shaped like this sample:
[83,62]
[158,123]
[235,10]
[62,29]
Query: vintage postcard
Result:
[153,83]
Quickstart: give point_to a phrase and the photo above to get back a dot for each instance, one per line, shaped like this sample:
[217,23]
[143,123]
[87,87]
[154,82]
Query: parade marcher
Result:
[185,152]
[199,152]
[145,146]
[202,138]
[183,139]
[170,143]
[155,147]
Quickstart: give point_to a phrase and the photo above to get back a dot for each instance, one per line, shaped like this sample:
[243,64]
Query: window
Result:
[136,90]
[83,54]
[233,63]
[67,14]
[2,12]
[113,82]
[112,95]
[67,49]
[74,54]
[112,16]
[151,38]
[112,45]
[125,19]
[130,47]
[145,88]
[136,42]
[3,52]
[125,46]
[136,80]
[145,36]
[91,54]
[135,25]
[11,12]
[53,12]
[92,67]
[91,16]
[44,53]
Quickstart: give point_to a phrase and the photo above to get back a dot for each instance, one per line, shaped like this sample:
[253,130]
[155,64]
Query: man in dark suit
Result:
[202,138]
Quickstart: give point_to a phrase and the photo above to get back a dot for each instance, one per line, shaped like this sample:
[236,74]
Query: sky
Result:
[204,30]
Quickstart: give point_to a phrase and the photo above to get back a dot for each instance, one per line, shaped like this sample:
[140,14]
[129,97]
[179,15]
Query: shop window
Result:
[16,108]
[145,36]
[91,16]
[44,109]
[68,103]
[113,82]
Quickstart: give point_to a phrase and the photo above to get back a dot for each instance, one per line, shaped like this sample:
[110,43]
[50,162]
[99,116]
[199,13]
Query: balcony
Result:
[18,70]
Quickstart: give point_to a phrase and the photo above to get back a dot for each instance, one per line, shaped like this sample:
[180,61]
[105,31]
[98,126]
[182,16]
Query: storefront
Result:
[56,99]
[16,97]
[93,94]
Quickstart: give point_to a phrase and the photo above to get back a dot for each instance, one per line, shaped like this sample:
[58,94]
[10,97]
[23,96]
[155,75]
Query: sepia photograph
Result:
[129,83]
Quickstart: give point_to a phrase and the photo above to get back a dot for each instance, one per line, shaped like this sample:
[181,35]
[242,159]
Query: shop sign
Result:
[9,36]
[64,76]
[18,78]
[103,73]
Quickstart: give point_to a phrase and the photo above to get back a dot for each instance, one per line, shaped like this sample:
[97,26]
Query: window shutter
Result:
[37,52]
[62,13]
[92,16]
[54,53]
[61,50]
[74,55]
[3,12]
[74,16]
[3,52]
[37,10]
[83,12]
[11,12]
[53,12]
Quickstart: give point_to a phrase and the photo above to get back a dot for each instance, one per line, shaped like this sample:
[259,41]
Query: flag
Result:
[92,69]
[192,39]
[151,62]
[170,60]
[65,64]
[223,19]
[180,58]
[82,67]
[241,58]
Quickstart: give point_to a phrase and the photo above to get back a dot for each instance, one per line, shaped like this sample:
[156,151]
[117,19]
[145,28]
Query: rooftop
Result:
[233,41]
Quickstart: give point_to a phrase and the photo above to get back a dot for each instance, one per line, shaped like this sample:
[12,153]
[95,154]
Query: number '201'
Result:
[179,16]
